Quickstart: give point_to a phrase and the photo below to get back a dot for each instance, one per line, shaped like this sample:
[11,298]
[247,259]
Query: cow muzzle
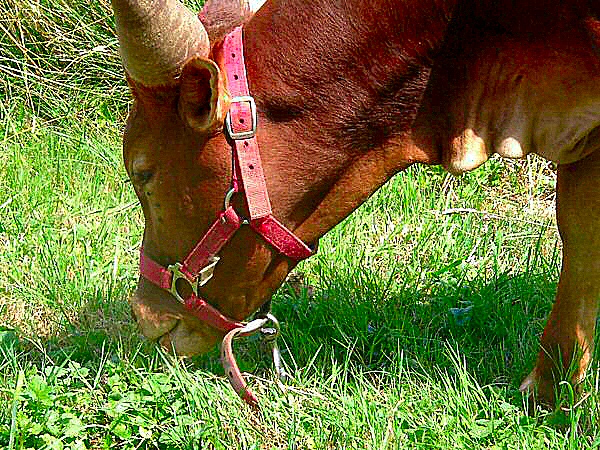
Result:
[168,322]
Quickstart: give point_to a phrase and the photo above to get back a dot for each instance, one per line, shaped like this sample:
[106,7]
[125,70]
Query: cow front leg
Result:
[567,342]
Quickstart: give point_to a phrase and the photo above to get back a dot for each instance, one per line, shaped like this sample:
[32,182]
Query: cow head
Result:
[180,166]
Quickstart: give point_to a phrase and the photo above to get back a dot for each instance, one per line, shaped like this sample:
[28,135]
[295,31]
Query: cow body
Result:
[348,94]
[522,78]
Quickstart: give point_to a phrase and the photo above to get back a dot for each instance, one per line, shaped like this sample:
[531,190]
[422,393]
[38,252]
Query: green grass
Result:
[421,315]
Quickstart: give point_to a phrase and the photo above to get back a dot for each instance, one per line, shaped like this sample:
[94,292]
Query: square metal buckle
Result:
[242,134]
[204,276]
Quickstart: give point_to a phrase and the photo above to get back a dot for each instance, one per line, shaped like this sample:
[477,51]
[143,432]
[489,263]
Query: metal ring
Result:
[228,196]
[176,275]
[275,323]
[252,327]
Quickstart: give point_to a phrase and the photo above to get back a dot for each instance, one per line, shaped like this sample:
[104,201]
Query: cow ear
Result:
[203,99]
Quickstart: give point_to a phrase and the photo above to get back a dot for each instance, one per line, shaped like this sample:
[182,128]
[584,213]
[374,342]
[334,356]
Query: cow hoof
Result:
[545,391]
[539,389]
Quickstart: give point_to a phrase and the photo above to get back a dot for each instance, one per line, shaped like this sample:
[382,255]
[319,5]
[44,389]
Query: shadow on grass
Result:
[494,326]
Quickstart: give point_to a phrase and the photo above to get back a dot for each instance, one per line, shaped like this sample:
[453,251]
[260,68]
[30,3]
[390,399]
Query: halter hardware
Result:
[240,135]
[204,276]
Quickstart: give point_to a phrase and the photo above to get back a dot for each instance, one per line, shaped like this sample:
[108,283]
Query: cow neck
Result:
[323,73]
[248,178]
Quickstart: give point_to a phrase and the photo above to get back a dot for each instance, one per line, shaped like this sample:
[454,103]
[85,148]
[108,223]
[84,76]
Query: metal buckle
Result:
[242,134]
[204,276]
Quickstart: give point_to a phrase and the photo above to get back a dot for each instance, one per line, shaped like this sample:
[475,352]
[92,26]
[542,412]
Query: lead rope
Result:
[269,336]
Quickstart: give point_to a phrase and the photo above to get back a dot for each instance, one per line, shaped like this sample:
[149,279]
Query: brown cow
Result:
[349,93]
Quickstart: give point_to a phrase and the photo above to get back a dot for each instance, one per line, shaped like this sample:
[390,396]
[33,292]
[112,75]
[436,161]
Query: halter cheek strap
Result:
[248,175]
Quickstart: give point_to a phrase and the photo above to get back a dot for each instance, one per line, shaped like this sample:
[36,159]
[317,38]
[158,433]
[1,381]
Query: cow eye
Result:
[141,177]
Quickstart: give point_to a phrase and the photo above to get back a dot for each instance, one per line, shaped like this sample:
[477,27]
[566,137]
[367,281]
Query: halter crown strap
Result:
[241,127]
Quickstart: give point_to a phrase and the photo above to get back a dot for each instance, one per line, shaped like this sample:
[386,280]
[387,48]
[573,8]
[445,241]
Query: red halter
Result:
[248,177]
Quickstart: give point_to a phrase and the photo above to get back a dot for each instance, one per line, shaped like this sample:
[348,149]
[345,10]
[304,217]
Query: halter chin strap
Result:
[248,177]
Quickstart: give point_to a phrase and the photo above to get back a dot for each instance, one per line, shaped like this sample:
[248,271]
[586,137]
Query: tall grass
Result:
[412,327]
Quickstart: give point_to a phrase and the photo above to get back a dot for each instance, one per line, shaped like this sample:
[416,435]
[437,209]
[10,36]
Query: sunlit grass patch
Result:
[416,322]
[69,221]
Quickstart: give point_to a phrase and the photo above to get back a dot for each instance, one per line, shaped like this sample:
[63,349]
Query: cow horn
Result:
[157,37]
